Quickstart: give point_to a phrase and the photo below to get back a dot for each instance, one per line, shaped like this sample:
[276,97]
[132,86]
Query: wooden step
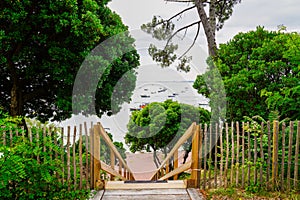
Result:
[120,185]
[146,194]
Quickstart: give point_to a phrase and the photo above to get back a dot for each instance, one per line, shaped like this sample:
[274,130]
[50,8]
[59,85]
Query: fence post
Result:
[275,153]
[96,156]
[196,143]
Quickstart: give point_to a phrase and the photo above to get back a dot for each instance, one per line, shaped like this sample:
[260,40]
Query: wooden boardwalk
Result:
[171,190]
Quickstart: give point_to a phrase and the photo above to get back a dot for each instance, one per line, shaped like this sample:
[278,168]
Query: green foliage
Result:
[260,72]
[43,44]
[159,124]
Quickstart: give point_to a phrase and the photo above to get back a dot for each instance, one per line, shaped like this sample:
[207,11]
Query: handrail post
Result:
[112,162]
[196,144]
[96,157]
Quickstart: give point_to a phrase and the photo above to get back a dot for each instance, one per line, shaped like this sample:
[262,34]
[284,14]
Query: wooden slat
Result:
[91,131]
[55,142]
[275,153]
[269,152]
[178,170]
[195,156]
[119,185]
[4,136]
[243,155]
[74,159]
[216,156]
[249,153]
[96,155]
[296,177]
[283,156]
[30,134]
[86,155]
[261,154]
[68,159]
[255,158]
[227,154]
[222,152]
[205,156]
[80,157]
[50,140]
[112,162]
[290,155]
[62,152]
[44,142]
[188,133]
[232,153]
[111,171]
[112,146]
[237,153]
[210,155]
[175,158]
[142,192]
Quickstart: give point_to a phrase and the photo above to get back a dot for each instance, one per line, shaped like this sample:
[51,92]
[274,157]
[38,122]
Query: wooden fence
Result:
[77,148]
[250,154]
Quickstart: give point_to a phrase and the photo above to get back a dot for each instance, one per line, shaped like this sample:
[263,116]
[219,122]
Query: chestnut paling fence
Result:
[238,155]
[87,155]
[222,155]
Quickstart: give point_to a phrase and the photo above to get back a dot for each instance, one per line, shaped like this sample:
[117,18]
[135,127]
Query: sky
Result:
[246,16]
[151,77]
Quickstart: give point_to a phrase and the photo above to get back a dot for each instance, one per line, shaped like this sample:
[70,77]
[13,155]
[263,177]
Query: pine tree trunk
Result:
[208,30]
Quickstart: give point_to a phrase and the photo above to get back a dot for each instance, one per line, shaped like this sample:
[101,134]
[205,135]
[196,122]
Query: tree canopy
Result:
[260,71]
[211,19]
[159,125]
[42,45]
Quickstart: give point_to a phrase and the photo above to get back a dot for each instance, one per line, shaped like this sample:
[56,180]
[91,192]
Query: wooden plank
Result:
[91,157]
[175,158]
[216,156]
[112,146]
[178,170]
[200,154]
[80,157]
[237,153]
[167,167]
[194,194]
[55,142]
[205,156]
[195,156]
[261,154]
[4,136]
[11,136]
[210,157]
[290,155]
[117,185]
[148,197]
[296,177]
[227,154]
[68,159]
[86,155]
[98,195]
[255,158]
[74,159]
[232,153]
[141,192]
[96,155]
[62,152]
[282,158]
[111,171]
[275,153]
[44,142]
[269,152]
[243,155]
[112,162]
[249,153]
[222,152]
[188,133]
[30,134]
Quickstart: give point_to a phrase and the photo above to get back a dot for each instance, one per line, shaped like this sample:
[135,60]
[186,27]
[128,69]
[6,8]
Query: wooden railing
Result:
[164,172]
[123,172]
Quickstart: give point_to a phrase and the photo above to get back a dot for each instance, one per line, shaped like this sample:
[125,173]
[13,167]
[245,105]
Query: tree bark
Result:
[208,30]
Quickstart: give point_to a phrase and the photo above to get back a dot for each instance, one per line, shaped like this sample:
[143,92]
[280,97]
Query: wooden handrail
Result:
[178,170]
[112,147]
[188,133]
[111,171]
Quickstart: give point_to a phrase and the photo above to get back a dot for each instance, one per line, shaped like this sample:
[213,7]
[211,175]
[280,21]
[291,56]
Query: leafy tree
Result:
[260,71]
[211,19]
[159,125]
[42,45]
